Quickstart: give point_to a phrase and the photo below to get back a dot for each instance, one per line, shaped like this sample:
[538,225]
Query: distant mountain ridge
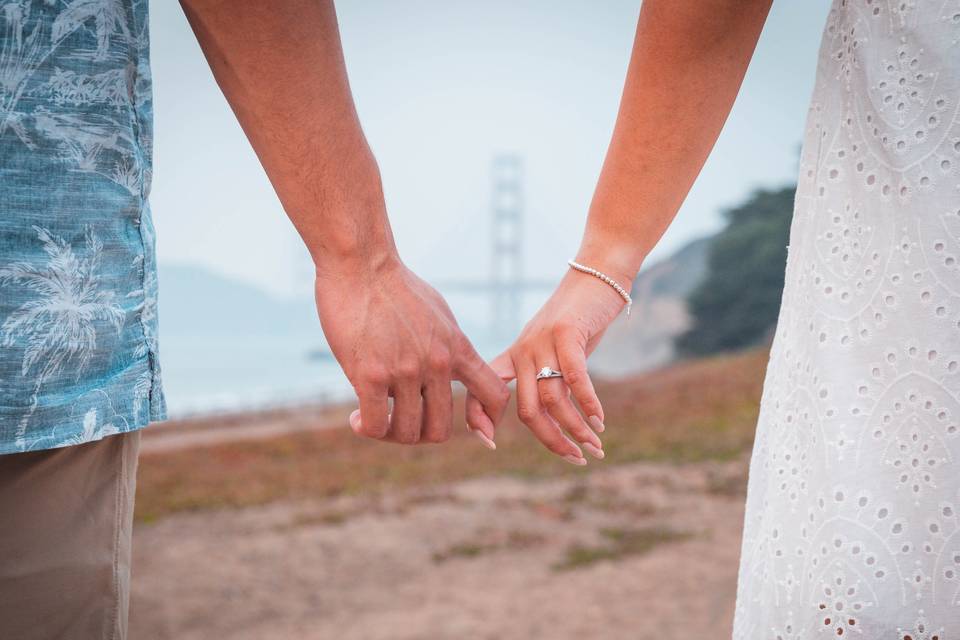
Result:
[196,301]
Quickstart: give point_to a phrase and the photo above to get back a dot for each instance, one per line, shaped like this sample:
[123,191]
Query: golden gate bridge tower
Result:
[506,262]
[506,285]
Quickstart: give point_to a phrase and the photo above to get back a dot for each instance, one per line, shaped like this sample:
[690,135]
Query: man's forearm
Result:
[280,66]
[688,62]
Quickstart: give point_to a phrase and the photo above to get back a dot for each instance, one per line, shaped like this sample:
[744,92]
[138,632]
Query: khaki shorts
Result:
[66,517]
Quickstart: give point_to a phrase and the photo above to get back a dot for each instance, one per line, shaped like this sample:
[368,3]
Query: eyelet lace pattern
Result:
[852,527]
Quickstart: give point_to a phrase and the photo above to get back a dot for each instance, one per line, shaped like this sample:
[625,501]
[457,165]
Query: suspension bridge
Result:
[506,284]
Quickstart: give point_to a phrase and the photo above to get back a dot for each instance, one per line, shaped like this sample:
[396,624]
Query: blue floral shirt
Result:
[78,286]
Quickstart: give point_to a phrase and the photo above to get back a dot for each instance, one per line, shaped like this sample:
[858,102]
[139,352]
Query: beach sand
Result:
[637,551]
[312,533]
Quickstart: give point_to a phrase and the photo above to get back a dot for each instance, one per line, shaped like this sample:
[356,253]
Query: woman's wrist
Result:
[616,260]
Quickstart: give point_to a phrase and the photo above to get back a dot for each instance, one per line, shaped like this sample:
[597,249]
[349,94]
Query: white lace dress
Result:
[852,526]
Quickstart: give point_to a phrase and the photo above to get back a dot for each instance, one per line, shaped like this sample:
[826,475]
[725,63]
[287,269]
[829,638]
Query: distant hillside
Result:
[737,303]
[195,301]
[719,293]
[645,339]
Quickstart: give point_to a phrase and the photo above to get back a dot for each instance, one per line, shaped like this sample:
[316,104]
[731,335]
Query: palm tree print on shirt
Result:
[107,16]
[21,55]
[58,324]
[78,320]
[88,139]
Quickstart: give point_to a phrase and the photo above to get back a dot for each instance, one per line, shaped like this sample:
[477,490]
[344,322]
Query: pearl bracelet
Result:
[576,266]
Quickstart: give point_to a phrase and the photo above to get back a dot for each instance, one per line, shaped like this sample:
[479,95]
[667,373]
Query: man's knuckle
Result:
[439,361]
[408,371]
[374,375]
[462,345]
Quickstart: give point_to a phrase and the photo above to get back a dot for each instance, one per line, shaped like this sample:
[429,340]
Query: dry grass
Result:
[512,540]
[692,411]
[619,543]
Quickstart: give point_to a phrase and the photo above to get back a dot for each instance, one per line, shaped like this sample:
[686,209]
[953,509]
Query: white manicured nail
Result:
[594,450]
[596,423]
[572,459]
[487,442]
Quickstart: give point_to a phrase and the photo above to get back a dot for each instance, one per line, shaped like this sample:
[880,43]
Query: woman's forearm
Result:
[688,62]
[280,66]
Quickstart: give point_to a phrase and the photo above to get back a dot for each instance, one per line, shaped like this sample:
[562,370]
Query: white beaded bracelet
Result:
[610,281]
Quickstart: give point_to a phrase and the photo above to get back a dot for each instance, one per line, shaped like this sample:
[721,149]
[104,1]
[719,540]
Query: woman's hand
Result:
[560,336]
[395,336]
[685,71]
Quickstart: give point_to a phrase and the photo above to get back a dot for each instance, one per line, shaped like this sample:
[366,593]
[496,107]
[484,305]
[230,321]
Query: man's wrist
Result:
[367,261]
[347,231]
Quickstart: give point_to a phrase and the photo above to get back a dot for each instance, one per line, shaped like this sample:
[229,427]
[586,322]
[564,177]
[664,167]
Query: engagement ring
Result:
[547,372]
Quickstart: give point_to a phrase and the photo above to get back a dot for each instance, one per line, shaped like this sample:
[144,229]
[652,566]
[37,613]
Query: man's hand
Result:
[280,66]
[395,336]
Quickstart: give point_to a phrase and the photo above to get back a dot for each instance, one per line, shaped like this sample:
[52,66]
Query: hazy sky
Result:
[442,86]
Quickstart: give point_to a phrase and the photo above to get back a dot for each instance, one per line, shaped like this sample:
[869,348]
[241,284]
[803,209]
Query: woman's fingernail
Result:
[596,423]
[487,442]
[572,459]
[594,450]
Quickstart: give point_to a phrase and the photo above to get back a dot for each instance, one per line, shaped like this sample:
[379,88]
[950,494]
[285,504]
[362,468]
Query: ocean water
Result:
[209,373]
[205,374]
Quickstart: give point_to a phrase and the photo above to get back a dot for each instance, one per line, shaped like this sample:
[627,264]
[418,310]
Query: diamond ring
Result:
[547,372]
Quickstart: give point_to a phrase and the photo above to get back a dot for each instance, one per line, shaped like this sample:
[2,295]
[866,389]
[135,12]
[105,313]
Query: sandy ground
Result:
[630,552]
